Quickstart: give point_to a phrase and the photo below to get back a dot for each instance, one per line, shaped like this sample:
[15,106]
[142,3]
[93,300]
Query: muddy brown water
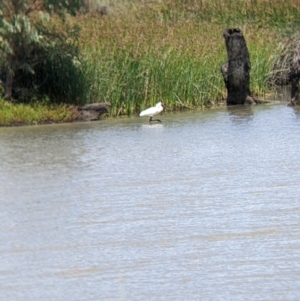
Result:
[205,206]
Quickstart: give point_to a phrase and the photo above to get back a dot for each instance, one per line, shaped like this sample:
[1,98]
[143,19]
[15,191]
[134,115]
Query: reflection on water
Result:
[240,114]
[204,206]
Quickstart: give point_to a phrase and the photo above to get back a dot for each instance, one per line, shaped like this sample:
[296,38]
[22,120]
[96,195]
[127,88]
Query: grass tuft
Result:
[33,114]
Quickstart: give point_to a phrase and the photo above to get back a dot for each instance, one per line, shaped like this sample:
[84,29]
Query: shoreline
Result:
[81,119]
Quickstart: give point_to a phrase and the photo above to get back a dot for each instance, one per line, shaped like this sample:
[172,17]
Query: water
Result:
[202,207]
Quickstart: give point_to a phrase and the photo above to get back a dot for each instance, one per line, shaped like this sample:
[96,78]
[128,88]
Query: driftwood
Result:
[93,111]
[236,72]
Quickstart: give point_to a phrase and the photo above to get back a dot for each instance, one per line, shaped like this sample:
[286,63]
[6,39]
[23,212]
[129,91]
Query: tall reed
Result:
[172,50]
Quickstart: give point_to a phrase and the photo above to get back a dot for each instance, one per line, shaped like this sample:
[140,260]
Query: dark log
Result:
[236,72]
[94,110]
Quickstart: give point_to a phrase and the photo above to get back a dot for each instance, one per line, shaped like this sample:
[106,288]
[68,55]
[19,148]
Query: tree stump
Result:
[236,72]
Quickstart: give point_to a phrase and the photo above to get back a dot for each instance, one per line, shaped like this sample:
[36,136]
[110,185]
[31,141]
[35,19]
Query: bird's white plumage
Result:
[153,110]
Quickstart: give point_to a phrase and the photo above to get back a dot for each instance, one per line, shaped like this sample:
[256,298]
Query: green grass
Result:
[26,114]
[131,83]
[172,50]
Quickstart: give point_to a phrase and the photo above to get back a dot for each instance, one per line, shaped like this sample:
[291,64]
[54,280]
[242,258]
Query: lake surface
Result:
[205,206]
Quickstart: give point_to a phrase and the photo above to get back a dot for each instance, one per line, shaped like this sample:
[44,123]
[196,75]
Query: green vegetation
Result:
[37,113]
[35,41]
[173,50]
[146,51]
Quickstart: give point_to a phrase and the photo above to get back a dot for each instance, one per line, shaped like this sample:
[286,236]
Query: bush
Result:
[60,76]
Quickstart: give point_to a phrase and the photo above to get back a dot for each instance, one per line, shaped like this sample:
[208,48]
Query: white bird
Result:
[150,112]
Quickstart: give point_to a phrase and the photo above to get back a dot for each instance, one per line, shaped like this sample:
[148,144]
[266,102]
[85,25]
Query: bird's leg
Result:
[150,120]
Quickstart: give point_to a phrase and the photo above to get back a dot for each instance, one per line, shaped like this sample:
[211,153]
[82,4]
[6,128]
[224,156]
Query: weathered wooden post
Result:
[236,72]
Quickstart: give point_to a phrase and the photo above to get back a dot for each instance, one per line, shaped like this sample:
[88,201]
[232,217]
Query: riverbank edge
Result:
[77,116]
[13,114]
